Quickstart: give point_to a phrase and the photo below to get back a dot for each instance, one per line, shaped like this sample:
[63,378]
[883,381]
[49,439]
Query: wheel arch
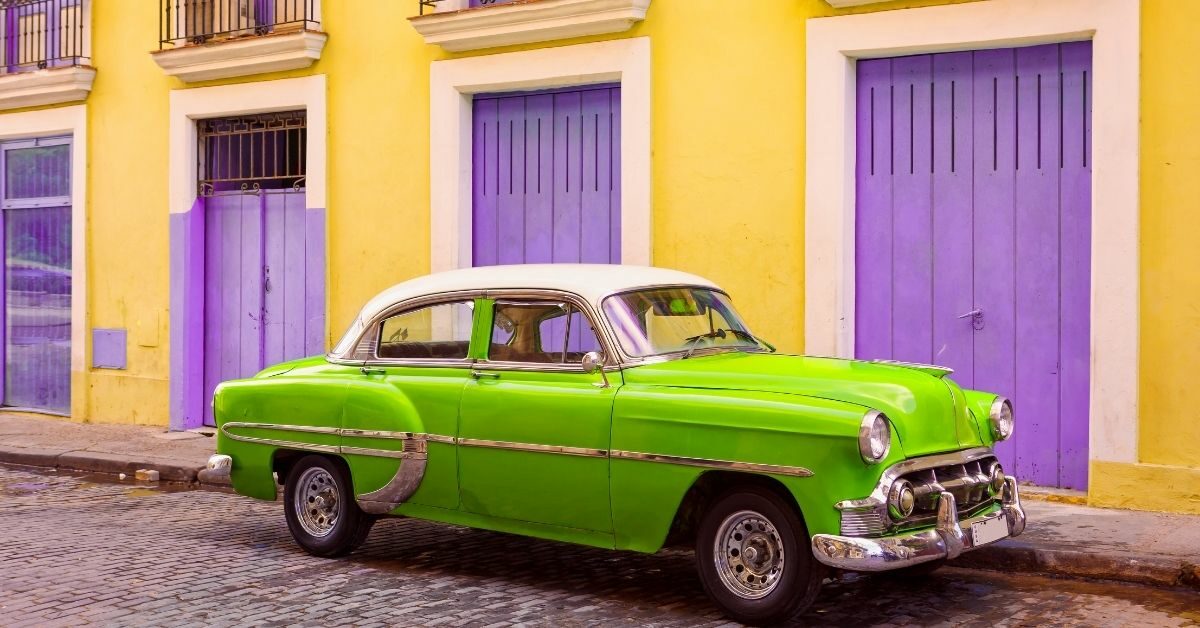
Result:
[706,488]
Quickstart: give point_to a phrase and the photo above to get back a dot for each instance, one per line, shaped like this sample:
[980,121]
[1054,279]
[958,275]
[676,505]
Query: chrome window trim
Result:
[614,355]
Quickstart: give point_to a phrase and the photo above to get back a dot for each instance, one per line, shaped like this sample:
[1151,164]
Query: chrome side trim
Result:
[381,453]
[290,444]
[773,469]
[415,447]
[379,434]
[308,429]
[545,449]
[413,443]
[397,491]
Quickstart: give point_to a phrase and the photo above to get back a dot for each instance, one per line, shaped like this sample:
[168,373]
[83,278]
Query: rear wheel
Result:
[753,557]
[318,502]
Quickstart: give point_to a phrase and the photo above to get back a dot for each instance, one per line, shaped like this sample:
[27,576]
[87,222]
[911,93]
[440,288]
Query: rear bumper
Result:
[949,538]
[217,470]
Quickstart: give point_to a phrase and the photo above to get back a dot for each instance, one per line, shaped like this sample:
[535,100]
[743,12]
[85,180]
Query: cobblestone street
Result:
[80,551]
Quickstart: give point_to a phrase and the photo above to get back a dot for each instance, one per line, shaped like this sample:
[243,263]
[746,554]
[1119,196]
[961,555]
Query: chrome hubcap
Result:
[748,553]
[317,502]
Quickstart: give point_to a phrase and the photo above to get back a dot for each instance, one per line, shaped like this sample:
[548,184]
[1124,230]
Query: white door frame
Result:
[833,47]
[187,241]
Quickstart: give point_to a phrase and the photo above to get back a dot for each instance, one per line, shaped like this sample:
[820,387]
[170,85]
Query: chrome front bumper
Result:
[949,538]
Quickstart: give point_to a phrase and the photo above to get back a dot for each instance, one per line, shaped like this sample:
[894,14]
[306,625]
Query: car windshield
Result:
[657,321]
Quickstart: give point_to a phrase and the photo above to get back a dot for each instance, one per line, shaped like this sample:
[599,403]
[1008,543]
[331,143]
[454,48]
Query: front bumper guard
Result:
[949,538]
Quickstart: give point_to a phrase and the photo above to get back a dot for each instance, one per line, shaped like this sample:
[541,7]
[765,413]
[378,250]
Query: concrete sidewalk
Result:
[1060,539]
[115,449]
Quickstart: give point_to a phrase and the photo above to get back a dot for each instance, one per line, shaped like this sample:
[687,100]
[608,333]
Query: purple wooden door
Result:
[36,187]
[263,294]
[973,234]
[546,177]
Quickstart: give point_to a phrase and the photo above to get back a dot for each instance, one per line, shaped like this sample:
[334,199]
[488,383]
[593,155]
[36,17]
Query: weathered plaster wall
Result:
[1168,474]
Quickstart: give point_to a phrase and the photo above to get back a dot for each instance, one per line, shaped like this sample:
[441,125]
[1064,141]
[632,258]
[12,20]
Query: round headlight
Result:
[1001,418]
[874,437]
[902,500]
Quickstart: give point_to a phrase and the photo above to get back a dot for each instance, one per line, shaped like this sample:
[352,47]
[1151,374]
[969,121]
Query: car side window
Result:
[541,333]
[433,332]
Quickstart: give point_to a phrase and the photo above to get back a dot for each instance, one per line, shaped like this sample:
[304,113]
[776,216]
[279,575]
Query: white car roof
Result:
[593,282]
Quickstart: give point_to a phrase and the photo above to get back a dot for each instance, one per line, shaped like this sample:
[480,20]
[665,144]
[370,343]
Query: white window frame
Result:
[71,122]
[453,83]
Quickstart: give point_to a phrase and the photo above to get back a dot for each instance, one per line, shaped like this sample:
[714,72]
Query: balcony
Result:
[44,52]
[201,40]
[458,25]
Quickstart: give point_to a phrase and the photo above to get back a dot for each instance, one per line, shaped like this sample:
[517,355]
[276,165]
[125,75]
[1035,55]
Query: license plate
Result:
[989,531]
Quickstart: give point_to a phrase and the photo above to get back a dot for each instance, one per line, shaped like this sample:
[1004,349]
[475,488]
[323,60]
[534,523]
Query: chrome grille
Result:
[863,522]
[969,481]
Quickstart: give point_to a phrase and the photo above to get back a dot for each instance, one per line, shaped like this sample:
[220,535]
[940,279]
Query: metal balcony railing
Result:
[40,34]
[188,22]
[432,5]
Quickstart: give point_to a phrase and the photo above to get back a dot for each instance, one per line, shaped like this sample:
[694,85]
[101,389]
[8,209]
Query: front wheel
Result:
[753,557]
[318,502]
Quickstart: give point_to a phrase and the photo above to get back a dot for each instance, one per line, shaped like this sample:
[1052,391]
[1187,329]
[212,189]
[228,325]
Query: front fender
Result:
[789,431]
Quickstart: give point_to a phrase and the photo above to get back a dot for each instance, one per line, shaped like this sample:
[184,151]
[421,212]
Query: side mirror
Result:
[593,362]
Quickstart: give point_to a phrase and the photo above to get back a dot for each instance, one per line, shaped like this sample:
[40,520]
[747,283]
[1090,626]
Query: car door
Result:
[412,383]
[533,426]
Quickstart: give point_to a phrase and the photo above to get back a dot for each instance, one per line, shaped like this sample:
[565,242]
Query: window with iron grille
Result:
[252,152]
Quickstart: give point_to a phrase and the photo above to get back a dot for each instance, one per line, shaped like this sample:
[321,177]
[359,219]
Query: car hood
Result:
[928,410]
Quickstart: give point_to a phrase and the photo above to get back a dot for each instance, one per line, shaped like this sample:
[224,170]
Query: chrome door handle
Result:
[366,370]
[483,374]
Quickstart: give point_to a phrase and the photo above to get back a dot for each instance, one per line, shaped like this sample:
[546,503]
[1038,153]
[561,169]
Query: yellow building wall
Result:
[1167,476]
[728,144]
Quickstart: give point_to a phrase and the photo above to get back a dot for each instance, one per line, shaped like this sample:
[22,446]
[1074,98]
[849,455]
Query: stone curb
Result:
[1014,556]
[102,462]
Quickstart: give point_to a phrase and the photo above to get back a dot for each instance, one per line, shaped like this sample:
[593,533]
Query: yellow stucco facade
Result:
[728,146]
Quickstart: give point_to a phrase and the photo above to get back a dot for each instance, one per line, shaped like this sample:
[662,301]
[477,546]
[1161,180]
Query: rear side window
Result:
[434,332]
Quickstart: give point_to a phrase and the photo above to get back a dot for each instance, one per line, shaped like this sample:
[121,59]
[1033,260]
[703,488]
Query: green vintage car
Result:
[625,408]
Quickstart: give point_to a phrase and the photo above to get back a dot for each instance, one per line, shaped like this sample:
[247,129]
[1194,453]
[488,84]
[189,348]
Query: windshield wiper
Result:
[693,341]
